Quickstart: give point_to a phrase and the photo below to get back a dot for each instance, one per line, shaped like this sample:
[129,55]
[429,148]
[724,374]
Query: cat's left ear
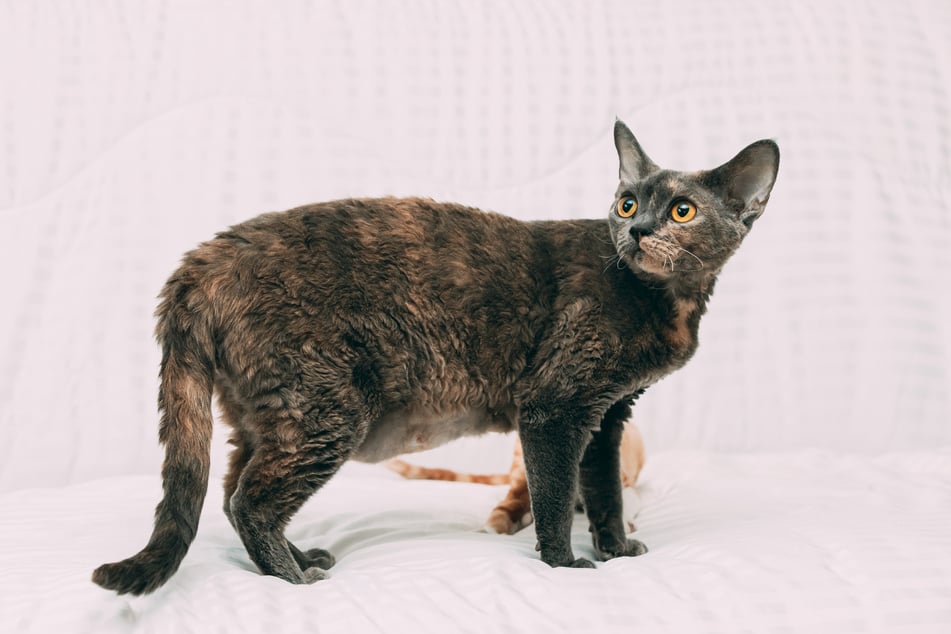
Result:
[747,179]
[635,164]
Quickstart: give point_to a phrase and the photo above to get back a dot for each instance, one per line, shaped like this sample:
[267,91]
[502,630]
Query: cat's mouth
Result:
[661,258]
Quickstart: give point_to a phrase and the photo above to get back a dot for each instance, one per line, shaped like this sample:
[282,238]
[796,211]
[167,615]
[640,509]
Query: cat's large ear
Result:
[747,179]
[635,164]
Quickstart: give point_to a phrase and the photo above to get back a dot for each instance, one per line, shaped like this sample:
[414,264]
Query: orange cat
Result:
[515,512]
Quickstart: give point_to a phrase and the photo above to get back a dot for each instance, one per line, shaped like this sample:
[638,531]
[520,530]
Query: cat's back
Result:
[379,227]
[412,257]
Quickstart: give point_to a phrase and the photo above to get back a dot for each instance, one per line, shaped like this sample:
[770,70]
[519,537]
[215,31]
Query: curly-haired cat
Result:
[368,328]
[514,512]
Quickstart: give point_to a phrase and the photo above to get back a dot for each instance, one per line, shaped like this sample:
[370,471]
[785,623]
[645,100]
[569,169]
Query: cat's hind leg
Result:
[233,413]
[237,461]
[292,458]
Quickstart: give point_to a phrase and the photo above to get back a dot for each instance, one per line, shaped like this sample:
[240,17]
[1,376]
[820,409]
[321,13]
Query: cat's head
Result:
[680,228]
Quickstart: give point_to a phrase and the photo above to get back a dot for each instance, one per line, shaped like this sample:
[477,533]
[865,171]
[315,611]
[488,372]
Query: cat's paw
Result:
[581,562]
[568,562]
[314,574]
[626,548]
[315,558]
[501,523]
[319,558]
[631,506]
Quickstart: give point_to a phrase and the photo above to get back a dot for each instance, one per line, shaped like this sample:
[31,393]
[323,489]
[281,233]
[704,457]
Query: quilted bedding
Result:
[799,468]
[808,541]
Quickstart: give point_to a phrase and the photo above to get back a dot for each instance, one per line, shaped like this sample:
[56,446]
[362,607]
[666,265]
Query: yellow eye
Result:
[684,211]
[626,207]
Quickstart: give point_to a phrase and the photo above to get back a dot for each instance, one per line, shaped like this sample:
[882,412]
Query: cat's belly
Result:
[408,431]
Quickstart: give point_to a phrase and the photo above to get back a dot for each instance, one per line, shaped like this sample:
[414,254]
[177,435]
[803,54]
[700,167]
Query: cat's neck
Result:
[693,290]
[689,304]
[674,306]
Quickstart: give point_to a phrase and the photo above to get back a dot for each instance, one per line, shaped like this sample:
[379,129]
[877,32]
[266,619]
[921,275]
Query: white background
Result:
[129,132]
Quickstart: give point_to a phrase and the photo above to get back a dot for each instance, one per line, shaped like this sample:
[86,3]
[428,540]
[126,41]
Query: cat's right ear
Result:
[635,164]
[748,178]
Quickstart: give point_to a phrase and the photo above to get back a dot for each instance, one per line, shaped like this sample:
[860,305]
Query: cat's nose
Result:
[639,232]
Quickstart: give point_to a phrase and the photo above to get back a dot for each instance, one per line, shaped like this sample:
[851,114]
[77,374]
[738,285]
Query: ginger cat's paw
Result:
[631,502]
[501,522]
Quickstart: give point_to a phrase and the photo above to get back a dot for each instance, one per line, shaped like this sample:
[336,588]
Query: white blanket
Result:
[808,542]
[797,475]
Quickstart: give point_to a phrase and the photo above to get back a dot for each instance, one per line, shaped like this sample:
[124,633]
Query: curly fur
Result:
[366,328]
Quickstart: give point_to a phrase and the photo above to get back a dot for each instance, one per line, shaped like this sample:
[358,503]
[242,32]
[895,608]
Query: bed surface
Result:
[807,541]
[797,475]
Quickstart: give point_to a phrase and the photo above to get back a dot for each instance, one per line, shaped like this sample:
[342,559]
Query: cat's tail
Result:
[187,380]
[415,472]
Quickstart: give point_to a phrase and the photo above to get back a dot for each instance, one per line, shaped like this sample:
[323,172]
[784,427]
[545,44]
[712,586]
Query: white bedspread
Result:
[807,542]
[798,474]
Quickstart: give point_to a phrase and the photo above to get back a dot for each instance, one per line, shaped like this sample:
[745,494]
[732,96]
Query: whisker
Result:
[693,256]
[613,259]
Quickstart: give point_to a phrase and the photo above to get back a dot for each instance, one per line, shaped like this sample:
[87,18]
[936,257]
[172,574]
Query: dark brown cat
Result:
[367,328]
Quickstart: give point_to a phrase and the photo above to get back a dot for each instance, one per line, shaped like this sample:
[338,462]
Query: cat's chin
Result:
[657,273]
[647,268]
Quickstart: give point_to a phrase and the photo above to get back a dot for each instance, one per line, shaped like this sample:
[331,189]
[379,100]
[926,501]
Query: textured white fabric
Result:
[130,131]
[812,542]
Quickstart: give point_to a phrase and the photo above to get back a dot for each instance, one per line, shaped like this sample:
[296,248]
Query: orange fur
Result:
[415,472]
[514,512]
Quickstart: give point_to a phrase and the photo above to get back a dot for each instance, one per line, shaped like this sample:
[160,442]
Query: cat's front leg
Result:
[600,483]
[552,449]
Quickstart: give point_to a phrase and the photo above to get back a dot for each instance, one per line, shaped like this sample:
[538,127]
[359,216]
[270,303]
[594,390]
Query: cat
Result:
[366,328]
[514,512]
